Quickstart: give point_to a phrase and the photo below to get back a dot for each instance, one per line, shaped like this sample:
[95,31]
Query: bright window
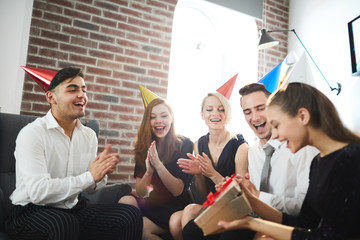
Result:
[210,44]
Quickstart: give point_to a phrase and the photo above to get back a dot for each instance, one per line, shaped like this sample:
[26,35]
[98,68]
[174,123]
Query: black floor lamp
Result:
[267,41]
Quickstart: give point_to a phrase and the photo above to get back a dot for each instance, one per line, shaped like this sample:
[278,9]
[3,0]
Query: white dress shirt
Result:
[289,177]
[51,169]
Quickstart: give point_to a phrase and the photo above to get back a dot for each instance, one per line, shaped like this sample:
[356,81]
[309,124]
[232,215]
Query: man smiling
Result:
[56,160]
[288,174]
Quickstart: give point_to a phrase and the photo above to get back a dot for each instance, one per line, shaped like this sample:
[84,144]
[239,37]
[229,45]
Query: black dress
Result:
[160,204]
[331,209]
[226,163]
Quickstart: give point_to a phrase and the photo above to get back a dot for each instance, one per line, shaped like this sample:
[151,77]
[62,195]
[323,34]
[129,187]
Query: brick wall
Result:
[275,17]
[120,44]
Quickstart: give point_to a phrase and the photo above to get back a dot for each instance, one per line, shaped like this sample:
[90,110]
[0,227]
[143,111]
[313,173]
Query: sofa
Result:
[10,125]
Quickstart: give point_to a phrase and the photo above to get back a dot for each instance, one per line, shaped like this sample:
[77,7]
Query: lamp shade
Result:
[266,40]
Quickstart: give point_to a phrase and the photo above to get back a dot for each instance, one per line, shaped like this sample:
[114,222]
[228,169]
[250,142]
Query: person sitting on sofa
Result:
[56,160]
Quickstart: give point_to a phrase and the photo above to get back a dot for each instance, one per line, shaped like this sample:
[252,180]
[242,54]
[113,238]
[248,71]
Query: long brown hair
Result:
[323,113]
[145,136]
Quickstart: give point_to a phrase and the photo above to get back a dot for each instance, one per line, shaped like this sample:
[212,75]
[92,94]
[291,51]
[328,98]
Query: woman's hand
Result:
[149,168]
[206,166]
[191,165]
[153,156]
[242,223]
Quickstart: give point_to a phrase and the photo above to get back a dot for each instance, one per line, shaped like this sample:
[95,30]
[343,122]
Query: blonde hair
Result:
[225,103]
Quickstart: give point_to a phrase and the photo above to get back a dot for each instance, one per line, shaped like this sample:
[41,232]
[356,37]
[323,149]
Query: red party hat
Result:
[42,77]
[227,88]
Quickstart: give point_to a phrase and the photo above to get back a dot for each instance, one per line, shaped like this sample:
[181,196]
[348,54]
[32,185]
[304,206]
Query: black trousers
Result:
[98,221]
[192,232]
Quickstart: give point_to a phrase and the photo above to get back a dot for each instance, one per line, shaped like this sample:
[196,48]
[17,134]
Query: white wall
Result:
[322,27]
[15,18]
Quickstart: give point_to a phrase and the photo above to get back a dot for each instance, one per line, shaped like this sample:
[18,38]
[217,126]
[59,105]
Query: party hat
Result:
[42,77]
[272,79]
[227,88]
[147,96]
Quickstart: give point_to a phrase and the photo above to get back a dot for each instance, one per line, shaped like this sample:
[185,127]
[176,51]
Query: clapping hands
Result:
[197,165]
[104,163]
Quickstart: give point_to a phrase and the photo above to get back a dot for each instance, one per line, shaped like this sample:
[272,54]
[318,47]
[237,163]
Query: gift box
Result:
[226,204]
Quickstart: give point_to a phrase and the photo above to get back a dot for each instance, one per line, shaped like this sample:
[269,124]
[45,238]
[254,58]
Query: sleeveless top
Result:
[226,162]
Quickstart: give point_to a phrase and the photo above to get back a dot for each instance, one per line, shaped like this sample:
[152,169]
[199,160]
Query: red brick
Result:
[123,109]
[73,49]
[78,14]
[57,18]
[98,106]
[159,58]
[162,28]
[112,32]
[84,42]
[114,16]
[45,24]
[163,13]
[124,59]
[124,75]
[141,7]
[107,81]
[138,22]
[40,60]
[111,48]
[165,44]
[98,71]
[40,107]
[75,31]
[158,74]
[152,33]
[128,11]
[43,42]
[88,9]
[103,115]
[134,53]
[47,7]
[157,4]
[138,38]
[122,92]
[127,27]
[125,43]
[108,64]
[53,54]
[150,64]
[101,54]
[35,97]
[103,21]
[82,59]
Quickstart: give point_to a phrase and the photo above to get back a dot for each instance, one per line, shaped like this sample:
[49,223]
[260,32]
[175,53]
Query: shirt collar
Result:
[272,142]
[52,123]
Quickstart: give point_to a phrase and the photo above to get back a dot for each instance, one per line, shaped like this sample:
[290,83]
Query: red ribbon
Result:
[211,197]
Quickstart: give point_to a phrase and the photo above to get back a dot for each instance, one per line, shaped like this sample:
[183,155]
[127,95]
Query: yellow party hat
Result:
[147,96]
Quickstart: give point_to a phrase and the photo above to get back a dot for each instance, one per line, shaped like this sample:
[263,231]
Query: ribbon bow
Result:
[211,197]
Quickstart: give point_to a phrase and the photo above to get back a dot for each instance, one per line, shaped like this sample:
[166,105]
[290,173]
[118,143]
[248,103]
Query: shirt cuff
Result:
[266,197]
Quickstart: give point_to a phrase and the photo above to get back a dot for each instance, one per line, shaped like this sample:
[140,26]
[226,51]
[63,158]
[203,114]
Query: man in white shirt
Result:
[289,175]
[56,160]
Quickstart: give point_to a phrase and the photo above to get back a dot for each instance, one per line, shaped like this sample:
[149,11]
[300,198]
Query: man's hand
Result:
[249,185]
[104,163]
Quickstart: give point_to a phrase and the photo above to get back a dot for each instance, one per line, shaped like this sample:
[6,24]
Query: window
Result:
[210,44]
